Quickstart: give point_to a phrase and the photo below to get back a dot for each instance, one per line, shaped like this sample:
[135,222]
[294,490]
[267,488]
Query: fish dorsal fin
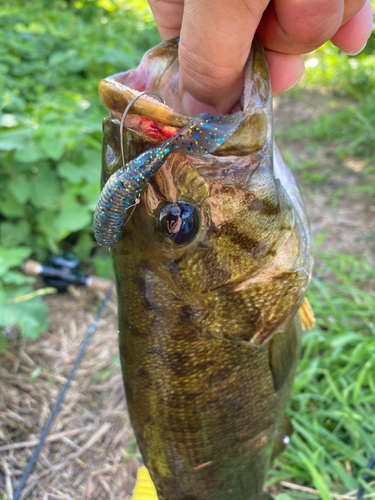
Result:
[307,315]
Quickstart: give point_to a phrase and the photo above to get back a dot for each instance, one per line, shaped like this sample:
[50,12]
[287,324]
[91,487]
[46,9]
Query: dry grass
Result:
[87,455]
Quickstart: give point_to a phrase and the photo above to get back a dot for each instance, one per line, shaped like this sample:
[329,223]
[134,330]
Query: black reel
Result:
[62,271]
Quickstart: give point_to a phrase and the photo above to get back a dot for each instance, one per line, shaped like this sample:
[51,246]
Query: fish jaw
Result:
[159,71]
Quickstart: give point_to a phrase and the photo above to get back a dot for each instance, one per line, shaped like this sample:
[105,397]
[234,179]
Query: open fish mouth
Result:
[159,70]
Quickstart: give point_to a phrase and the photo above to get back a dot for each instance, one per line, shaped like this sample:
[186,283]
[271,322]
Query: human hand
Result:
[216,36]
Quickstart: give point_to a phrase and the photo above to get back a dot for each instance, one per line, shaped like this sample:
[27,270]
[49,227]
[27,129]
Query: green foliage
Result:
[333,400]
[30,315]
[52,56]
[348,127]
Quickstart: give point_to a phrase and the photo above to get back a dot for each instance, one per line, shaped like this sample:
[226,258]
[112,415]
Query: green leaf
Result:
[70,171]
[44,187]
[31,316]
[30,154]
[11,235]
[73,215]
[12,257]
[7,316]
[47,222]
[20,188]
[14,139]
[89,171]
[9,206]
[84,246]
[52,145]
[14,278]
[91,192]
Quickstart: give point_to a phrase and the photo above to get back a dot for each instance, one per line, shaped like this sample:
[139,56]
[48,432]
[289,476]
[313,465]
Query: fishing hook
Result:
[124,116]
[138,198]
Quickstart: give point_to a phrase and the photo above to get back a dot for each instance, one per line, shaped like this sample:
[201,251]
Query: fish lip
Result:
[115,95]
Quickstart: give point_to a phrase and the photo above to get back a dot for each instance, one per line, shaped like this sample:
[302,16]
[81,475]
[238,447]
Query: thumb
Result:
[215,41]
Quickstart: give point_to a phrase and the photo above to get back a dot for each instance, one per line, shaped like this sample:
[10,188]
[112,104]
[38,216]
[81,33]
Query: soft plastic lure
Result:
[204,134]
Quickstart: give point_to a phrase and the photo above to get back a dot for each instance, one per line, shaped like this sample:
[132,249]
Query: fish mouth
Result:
[117,96]
[147,115]
[159,71]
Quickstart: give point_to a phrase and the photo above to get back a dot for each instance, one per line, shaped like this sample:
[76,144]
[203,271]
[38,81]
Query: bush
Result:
[52,56]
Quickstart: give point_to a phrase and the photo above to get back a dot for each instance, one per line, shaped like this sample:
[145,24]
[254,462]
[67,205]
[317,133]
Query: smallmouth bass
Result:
[211,269]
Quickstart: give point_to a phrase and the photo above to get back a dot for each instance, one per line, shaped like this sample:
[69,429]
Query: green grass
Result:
[333,401]
[332,406]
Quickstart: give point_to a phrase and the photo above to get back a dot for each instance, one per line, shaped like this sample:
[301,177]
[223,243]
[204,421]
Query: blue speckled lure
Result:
[204,134]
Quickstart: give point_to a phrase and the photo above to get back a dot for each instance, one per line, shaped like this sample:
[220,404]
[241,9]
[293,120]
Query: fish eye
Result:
[179,221]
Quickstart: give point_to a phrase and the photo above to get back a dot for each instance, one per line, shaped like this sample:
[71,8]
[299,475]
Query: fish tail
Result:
[144,487]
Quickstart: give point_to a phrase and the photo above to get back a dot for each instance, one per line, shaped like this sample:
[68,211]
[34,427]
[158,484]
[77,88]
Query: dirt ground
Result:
[91,452]
[350,225]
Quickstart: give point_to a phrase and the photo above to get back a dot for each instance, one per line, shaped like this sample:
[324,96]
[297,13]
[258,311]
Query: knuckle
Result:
[317,23]
[209,75]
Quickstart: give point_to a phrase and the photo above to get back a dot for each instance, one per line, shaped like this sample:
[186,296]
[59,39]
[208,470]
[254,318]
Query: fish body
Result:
[211,269]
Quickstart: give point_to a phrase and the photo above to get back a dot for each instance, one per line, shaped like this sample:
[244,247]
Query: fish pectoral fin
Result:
[283,350]
[307,315]
[283,434]
[144,488]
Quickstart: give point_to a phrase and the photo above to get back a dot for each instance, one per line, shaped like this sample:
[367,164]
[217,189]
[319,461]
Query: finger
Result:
[353,35]
[168,17]
[285,70]
[215,41]
[352,7]
[300,26]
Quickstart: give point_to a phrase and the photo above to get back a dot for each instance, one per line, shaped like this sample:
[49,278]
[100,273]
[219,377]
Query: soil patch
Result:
[346,216]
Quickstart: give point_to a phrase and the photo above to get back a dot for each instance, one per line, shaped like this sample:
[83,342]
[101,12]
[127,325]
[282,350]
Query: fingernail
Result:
[193,107]
[356,52]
